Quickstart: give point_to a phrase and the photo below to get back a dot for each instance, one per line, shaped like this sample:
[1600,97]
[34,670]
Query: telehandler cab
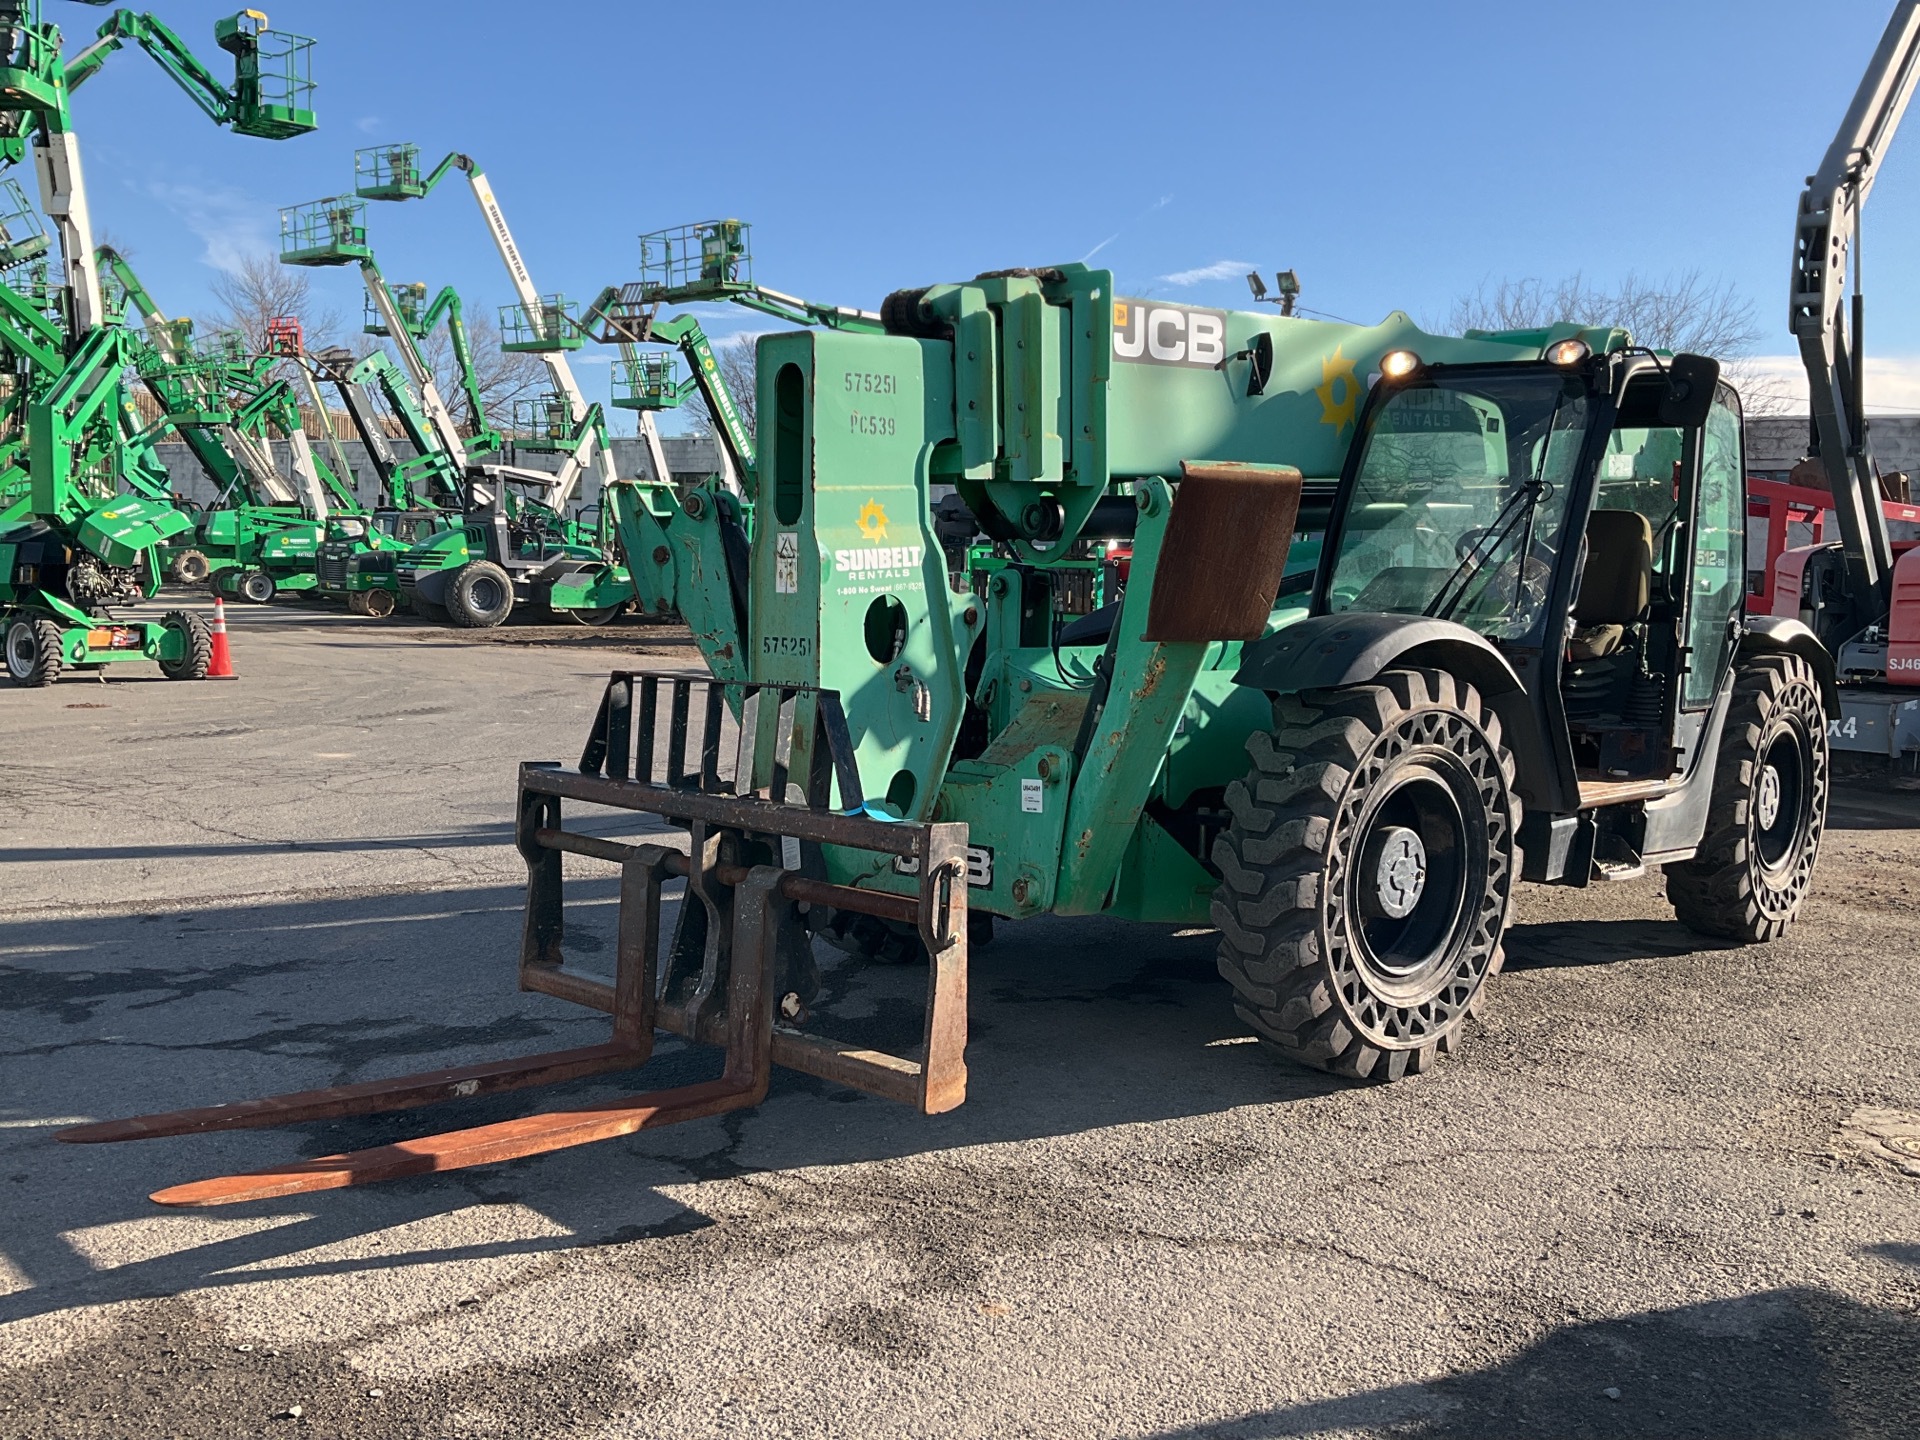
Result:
[1527,658]
[1520,650]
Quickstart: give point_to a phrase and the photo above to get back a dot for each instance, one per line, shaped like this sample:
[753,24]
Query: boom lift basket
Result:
[543,422]
[735,970]
[23,236]
[409,300]
[646,382]
[33,282]
[388,172]
[556,327]
[273,78]
[708,260]
[325,232]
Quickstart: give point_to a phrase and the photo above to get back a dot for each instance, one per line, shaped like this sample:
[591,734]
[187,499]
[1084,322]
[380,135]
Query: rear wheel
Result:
[1367,873]
[189,567]
[1755,863]
[256,587]
[196,651]
[33,652]
[479,595]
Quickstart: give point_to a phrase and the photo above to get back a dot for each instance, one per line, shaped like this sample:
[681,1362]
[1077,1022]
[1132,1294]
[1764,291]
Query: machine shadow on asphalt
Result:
[1064,1039]
[1782,1364]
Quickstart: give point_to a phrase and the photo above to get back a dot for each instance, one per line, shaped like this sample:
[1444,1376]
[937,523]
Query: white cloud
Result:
[367,124]
[1160,204]
[232,227]
[1218,270]
[1893,381]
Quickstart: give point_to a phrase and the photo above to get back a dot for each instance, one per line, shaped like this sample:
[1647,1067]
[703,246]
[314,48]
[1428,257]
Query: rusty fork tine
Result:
[404,1092]
[743,1084]
[456,1149]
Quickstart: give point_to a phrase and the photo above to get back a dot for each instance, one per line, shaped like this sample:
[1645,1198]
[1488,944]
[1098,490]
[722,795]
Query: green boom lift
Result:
[261,533]
[76,546]
[514,538]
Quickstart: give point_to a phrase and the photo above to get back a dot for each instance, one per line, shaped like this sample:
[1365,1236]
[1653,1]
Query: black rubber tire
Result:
[189,567]
[430,612]
[1311,971]
[479,595]
[33,652]
[194,664]
[256,587]
[868,937]
[1755,864]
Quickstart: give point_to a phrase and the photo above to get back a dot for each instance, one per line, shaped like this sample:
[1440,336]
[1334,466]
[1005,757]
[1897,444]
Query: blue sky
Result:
[1396,154]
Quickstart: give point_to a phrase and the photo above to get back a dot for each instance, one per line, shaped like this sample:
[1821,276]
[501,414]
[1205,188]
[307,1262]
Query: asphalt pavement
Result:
[1666,1189]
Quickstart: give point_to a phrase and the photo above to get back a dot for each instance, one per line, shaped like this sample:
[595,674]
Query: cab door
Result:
[1717,589]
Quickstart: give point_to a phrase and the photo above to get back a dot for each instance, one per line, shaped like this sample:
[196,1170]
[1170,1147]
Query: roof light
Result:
[1398,364]
[1569,352]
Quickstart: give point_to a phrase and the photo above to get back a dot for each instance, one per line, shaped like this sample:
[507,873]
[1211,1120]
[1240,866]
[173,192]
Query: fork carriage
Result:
[735,972]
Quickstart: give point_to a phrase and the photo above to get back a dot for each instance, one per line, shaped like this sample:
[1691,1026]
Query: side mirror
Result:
[1260,363]
[1692,381]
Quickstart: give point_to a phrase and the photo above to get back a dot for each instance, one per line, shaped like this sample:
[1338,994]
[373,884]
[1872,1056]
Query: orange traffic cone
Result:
[221,667]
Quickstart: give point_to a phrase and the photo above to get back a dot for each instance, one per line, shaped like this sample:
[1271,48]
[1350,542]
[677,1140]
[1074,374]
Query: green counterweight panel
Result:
[848,582]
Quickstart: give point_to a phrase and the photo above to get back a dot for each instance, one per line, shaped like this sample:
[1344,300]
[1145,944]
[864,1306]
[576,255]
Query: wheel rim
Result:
[484,593]
[258,588]
[1782,798]
[1410,887]
[22,650]
[1424,832]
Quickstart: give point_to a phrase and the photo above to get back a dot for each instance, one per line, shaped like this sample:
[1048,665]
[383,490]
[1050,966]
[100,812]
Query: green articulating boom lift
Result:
[418,496]
[710,261]
[515,538]
[1523,654]
[262,532]
[79,545]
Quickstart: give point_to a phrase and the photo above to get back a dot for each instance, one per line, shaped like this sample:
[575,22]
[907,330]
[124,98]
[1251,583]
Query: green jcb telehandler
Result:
[1521,653]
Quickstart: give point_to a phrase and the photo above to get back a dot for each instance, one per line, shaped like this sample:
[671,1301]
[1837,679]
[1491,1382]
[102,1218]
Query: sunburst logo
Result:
[1339,391]
[873,520]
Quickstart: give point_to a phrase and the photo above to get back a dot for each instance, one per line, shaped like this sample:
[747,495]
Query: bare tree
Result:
[1686,311]
[501,377]
[263,289]
[737,372]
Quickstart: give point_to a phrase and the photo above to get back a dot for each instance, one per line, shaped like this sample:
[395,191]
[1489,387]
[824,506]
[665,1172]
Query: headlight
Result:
[1398,364]
[1568,352]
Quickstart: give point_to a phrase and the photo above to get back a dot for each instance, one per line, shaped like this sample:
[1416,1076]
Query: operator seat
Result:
[1615,584]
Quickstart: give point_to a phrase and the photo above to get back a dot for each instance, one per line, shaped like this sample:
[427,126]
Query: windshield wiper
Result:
[1517,510]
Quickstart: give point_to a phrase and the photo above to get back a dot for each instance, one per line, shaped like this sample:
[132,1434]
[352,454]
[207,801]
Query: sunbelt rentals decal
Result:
[876,564]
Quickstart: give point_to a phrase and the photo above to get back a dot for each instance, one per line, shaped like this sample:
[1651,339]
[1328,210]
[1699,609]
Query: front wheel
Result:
[1367,873]
[479,595]
[34,656]
[1755,863]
